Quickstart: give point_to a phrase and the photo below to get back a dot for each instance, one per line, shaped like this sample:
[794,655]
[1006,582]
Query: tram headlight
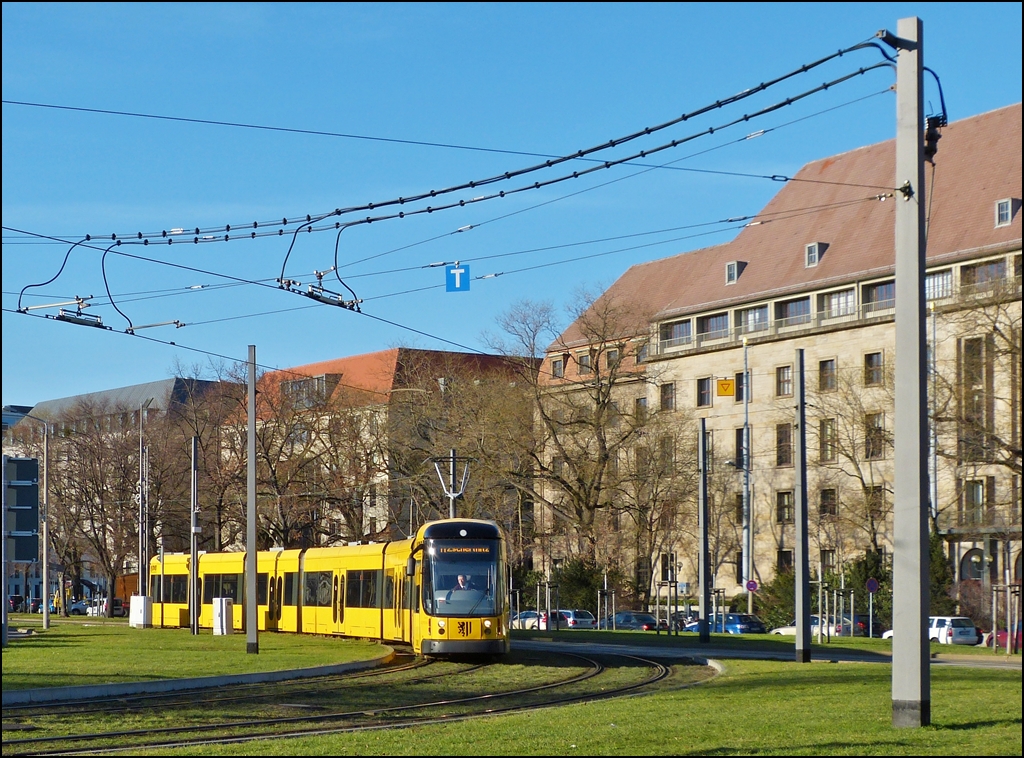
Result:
[440,623]
[487,623]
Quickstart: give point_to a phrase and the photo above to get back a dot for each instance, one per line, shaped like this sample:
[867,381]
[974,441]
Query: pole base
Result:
[252,647]
[911,713]
[803,656]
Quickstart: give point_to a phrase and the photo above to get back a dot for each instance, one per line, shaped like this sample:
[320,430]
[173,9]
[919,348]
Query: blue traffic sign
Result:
[456,278]
[752,586]
[872,585]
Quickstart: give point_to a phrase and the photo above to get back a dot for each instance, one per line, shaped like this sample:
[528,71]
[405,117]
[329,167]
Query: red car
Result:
[1001,639]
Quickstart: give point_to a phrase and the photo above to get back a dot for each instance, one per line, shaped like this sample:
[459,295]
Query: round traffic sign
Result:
[752,586]
[872,585]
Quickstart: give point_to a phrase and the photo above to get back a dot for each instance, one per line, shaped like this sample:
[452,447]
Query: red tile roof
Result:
[978,163]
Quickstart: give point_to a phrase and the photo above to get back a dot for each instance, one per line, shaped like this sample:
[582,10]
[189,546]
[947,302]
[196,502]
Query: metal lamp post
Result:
[44,518]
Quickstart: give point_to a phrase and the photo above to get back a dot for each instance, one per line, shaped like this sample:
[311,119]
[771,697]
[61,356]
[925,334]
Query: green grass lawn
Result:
[103,651]
[754,707]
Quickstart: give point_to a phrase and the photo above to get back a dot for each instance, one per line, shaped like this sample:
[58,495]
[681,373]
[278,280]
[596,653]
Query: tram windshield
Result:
[463,578]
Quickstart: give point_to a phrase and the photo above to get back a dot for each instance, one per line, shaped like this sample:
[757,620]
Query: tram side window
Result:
[316,590]
[175,588]
[291,588]
[389,591]
[362,588]
[261,589]
[222,585]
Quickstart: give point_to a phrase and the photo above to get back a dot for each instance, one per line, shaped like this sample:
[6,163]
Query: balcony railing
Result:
[837,317]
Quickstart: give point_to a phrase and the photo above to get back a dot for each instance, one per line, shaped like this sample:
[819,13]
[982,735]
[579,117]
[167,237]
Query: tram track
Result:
[447,696]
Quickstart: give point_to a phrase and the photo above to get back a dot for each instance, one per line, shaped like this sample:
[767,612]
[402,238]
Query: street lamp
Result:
[44,518]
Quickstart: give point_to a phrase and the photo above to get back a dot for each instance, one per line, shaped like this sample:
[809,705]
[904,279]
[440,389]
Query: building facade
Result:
[814,272]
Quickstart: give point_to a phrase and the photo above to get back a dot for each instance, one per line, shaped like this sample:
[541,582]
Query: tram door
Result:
[338,604]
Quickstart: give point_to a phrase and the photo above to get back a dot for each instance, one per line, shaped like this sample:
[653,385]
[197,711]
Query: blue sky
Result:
[404,99]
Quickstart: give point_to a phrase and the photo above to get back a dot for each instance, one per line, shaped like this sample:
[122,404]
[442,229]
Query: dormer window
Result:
[733,269]
[1006,210]
[813,253]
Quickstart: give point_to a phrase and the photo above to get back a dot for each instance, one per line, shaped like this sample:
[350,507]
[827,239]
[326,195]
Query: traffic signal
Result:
[21,509]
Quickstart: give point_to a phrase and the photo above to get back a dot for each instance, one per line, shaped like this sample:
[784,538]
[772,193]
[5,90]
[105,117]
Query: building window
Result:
[835,304]
[875,501]
[704,392]
[674,333]
[873,369]
[874,436]
[583,361]
[557,368]
[784,561]
[975,500]
[1004,212]
[784,381]
[938,285]
[739,507]
[737,559]
[828,502]
[812,254]
[640,409]
[827,442]
[641,353]
[741,388]
[879,297]
[714,326]
[783,506]
[783,444]
[752,319]
[732,272]
[977,410]
[306,393]
[792,312]
[827,379]
[611,358]
[827,559]
[741,457]
[668,396]
[982,277]
[709,449]
[667,455]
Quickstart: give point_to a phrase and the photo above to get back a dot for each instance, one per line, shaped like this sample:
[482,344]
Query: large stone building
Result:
[814,271]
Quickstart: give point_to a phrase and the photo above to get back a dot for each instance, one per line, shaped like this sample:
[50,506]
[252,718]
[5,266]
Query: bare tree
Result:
[580,431]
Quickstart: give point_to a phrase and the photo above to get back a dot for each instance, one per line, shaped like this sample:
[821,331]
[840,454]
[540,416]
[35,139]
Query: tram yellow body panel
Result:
[400,591]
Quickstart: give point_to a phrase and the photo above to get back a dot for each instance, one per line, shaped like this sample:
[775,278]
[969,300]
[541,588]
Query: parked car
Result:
[862,626]
[35,605]
[79,608]
[790,628]
[525,620]
[953,630]
[100,605]
[15,603]
[577,619]
[635,620]
[731,623]
[948,630]
[1001,639]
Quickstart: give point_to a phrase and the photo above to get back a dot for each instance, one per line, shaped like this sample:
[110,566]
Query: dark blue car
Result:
[732,623]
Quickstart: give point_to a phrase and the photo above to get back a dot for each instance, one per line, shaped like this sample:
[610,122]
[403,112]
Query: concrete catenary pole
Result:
[802,562]
[252,643]
[704,567]
[911,679]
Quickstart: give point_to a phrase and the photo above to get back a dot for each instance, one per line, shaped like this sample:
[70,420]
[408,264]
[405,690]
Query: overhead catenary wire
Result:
[223,232]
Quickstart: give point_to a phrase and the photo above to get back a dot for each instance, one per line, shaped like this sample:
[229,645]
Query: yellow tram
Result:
[406,591]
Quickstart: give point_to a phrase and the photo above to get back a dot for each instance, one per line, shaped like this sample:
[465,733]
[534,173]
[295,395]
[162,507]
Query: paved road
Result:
[725,653]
